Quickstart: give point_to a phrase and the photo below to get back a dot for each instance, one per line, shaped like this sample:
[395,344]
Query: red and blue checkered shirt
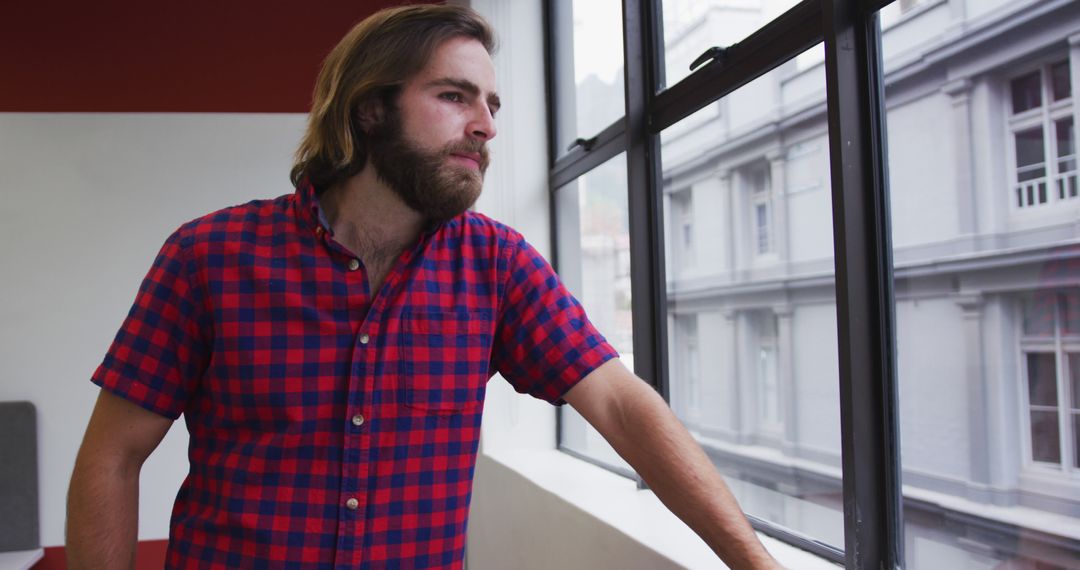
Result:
[333,426]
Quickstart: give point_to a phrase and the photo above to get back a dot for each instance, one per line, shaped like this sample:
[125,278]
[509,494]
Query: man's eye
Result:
[453,97]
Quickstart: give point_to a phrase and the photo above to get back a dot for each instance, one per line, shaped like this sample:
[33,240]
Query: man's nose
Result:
[482,125]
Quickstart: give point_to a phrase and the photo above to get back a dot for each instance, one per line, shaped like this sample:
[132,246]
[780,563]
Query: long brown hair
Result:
[372,62]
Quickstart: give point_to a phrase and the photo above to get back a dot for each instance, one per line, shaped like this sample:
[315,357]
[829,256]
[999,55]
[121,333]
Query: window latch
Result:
[713,53]
[585,144]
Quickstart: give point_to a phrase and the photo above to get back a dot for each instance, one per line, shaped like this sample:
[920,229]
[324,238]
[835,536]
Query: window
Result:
[589,51]
[1050,346]
[770,419]
[594,262]
[682,224]
[788,371]
[767,383]
[1044,137]
[987,434]
[756,180]
[687,360]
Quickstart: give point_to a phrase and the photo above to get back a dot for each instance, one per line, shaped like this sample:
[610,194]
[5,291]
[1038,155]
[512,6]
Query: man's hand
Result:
[103,499]
[637,422]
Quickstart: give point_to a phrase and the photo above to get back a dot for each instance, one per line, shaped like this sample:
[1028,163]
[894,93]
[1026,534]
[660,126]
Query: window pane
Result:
[1059,77]
[1072,311]
[1045,437]
[1042,380]
[1030,154]
[693,26]
[1076,439]
[1066,139]
[1074,378]
[763,363]
[588,66]
[594,261]
[1039,310]
[981,425]
[1026,92]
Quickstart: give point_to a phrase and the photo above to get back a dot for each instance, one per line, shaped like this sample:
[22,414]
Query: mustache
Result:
[471,147]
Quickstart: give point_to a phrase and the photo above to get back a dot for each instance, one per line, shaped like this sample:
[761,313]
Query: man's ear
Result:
[370,112]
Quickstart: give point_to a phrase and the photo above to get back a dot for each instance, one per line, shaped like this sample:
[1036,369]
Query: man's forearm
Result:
[673,464]
[102,516]
[643,430]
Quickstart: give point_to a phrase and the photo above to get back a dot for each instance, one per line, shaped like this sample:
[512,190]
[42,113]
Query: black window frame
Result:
[873,516]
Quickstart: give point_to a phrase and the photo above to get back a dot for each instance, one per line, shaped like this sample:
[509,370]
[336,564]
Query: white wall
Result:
[87,201]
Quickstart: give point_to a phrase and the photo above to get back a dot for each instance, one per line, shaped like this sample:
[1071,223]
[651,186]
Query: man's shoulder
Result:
[235,222]
[475,223]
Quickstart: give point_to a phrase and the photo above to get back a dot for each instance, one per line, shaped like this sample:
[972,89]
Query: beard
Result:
[427,181]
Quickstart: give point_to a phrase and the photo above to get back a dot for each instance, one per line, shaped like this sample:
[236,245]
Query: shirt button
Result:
[319,230]
[364,338]
[358,420]
[354,264]
[352,504]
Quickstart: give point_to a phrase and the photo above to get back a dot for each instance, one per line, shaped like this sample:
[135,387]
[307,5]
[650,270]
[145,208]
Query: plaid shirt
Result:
[330,426]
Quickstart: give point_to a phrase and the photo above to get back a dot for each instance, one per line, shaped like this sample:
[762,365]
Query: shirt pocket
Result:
[445,360]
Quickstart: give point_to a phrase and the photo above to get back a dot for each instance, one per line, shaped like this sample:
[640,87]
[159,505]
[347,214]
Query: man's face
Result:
[431,149]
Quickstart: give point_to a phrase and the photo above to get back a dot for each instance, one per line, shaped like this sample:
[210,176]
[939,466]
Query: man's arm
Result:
[103,499]
[637,422]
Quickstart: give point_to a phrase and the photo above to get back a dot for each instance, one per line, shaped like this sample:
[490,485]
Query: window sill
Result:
[616,502]
[21,559]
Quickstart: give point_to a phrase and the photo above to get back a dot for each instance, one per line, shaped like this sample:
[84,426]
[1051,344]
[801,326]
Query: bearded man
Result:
[329,349]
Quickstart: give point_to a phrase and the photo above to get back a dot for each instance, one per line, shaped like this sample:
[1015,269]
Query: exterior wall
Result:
[934,401]
[922,177]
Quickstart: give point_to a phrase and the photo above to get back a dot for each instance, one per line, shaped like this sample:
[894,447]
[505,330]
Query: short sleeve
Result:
[544,342]
[161,350]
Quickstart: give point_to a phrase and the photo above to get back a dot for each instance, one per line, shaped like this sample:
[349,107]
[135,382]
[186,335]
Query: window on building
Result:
[1051,358]
[682,211]
[1044,137]
[756,180]
[770,420]
[688,373]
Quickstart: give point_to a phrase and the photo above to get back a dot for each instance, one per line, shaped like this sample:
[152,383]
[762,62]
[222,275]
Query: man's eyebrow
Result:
[468,87]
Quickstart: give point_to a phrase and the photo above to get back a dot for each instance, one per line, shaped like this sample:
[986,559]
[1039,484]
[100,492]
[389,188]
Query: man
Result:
[329,349]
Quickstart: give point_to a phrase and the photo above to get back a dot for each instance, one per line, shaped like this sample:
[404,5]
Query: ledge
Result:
[616,502]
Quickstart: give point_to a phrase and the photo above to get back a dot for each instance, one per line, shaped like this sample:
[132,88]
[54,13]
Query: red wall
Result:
[247,56]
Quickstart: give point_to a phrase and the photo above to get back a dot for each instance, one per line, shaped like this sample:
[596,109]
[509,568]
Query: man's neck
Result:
[370,218]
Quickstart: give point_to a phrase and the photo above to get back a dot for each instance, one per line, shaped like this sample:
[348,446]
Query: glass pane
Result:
[1045,437]
[594,262]
[1042,379]
[693,26]
[1076,439]
[1030,152]
[973,497]
[1039,309]
[1059,78]
[1026,92]
[1066,137]
[588,54]
[1073,359]
[758,385]
[1072,311]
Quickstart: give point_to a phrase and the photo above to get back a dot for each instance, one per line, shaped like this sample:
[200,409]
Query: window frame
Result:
[861,234]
